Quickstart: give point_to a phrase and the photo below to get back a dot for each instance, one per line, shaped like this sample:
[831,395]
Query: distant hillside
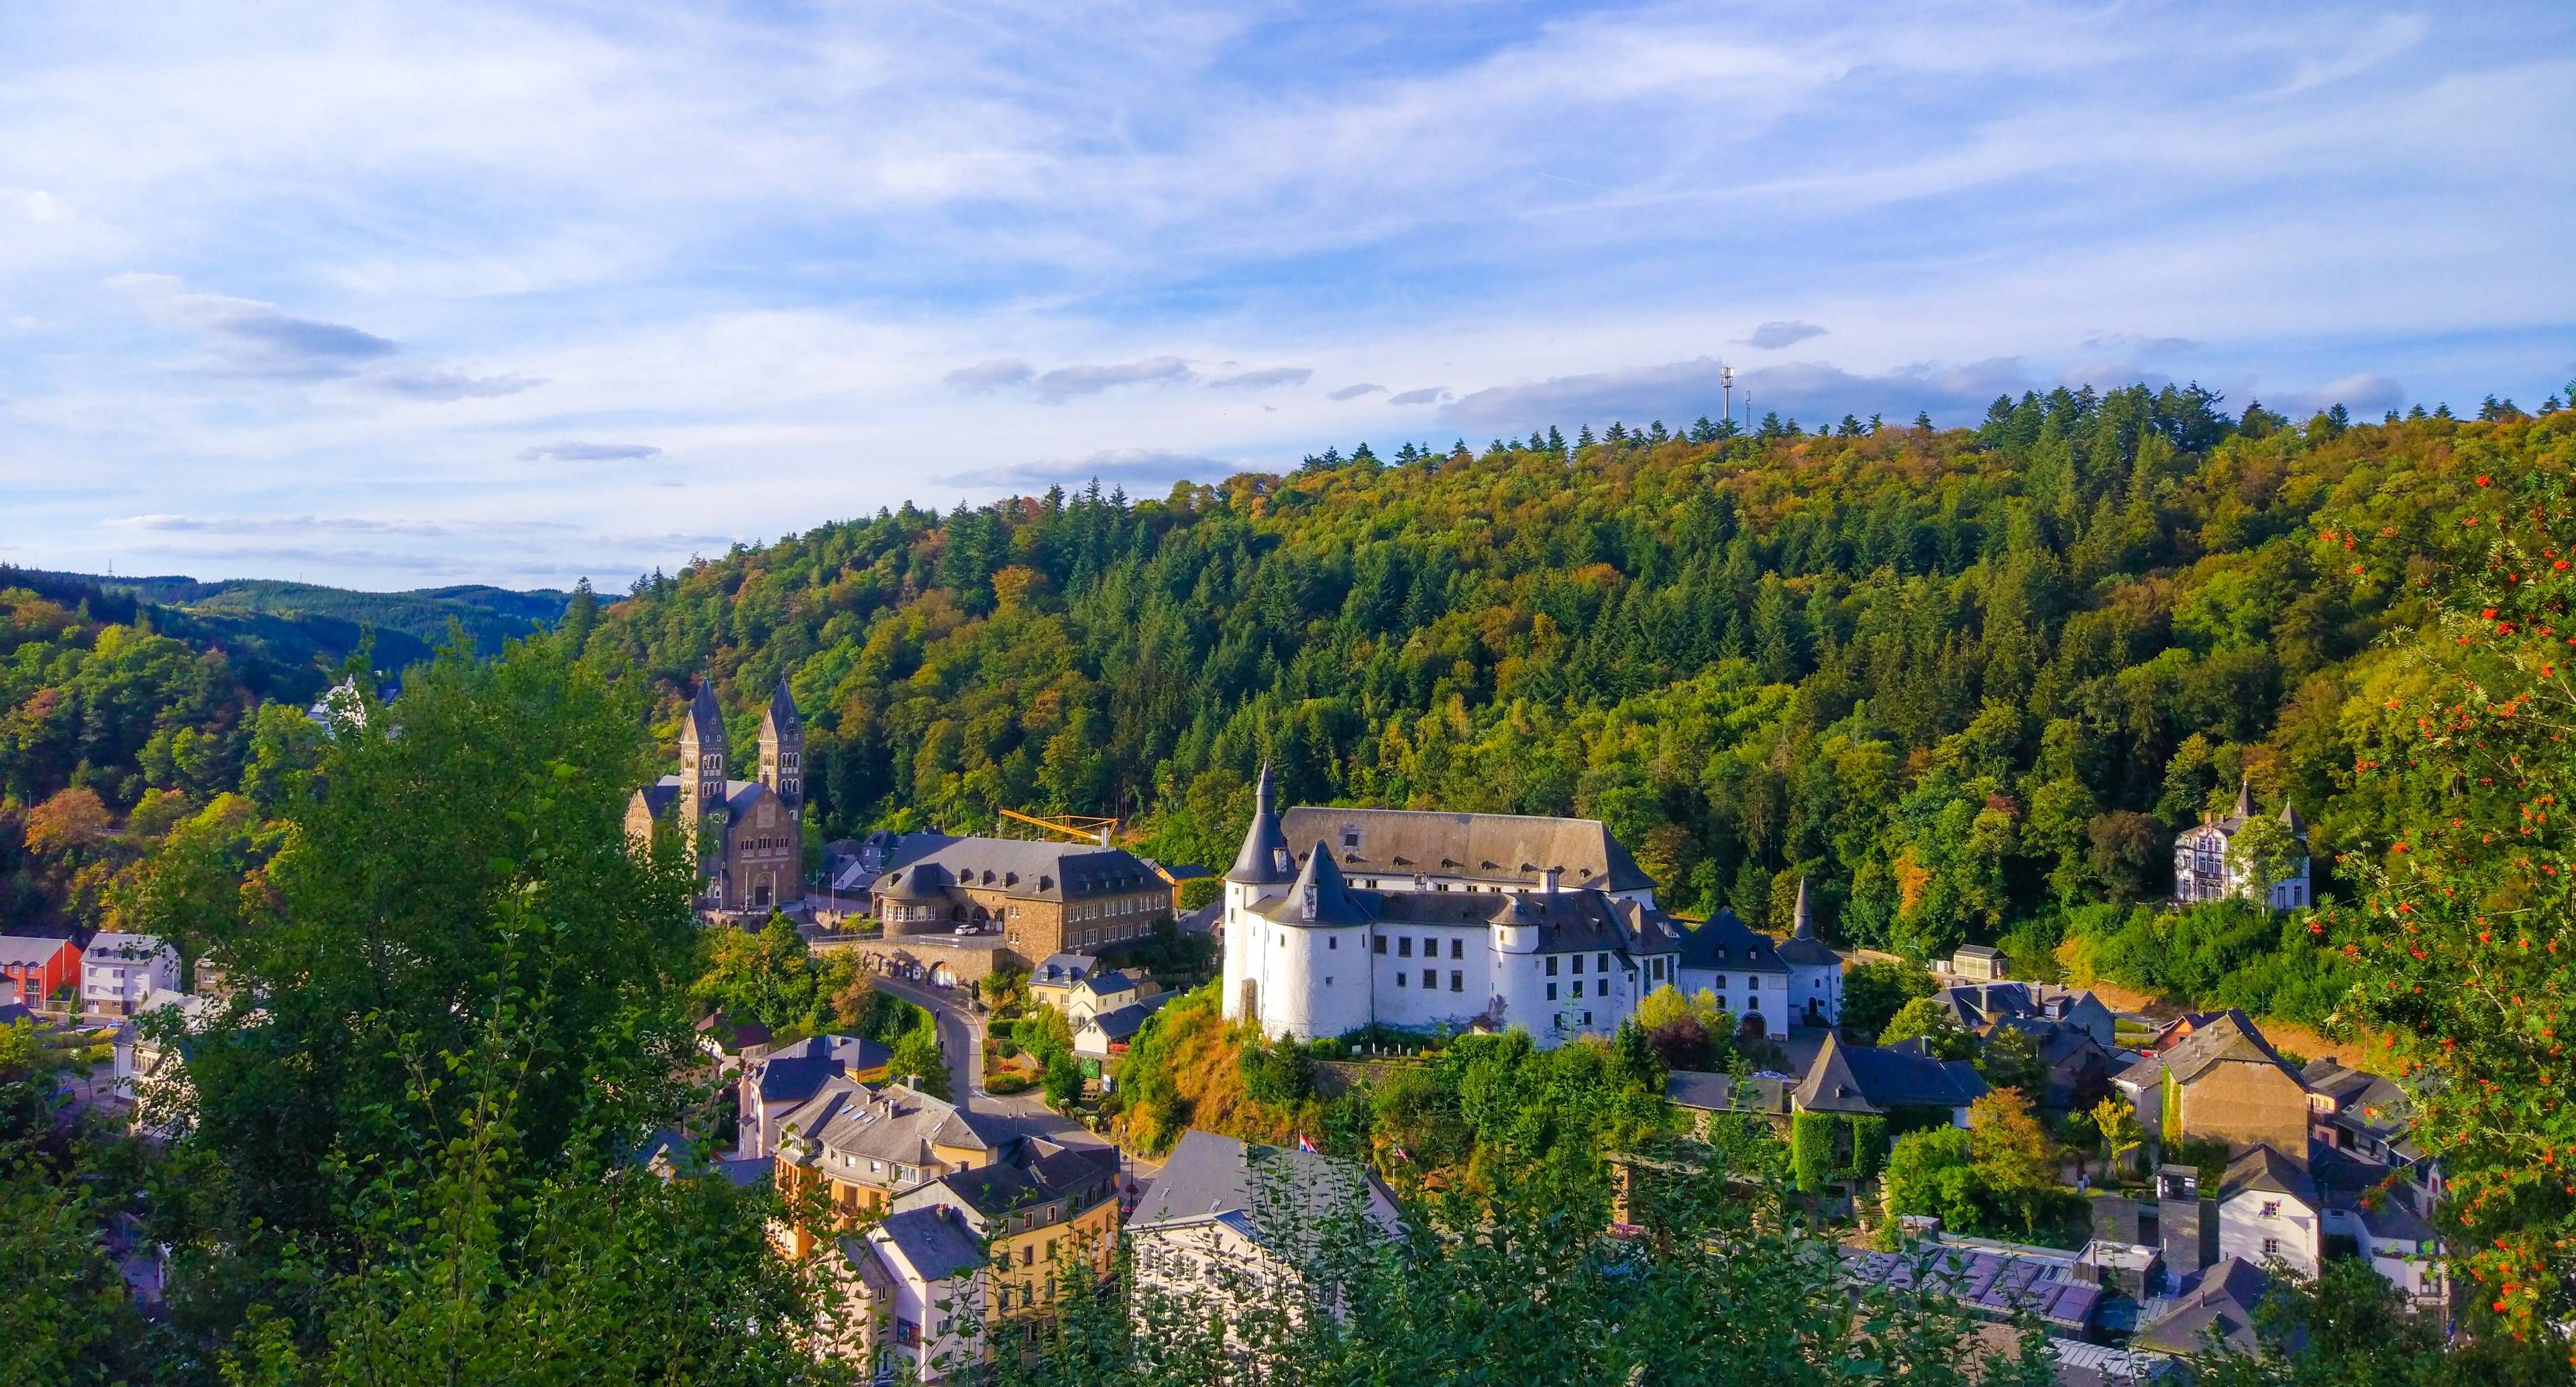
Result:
[488,614]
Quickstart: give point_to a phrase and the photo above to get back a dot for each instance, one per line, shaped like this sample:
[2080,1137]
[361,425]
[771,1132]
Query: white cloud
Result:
[577,451]
[1774,335]
[1064,382]
[1265,379]
[1428,395]
[1353,392]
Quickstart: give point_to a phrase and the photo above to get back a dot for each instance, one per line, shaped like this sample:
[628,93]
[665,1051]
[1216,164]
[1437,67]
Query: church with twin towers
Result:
[749,835]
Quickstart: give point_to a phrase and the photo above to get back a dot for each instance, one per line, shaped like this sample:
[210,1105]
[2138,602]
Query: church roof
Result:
[1502,848]
[705,718]
[1263,859]
[782,708]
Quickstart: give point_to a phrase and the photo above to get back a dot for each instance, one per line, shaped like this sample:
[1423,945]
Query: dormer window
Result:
[1350,835]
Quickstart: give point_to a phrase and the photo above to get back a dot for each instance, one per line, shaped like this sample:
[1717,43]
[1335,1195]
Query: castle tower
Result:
[782,751]
[702,760]
[1264,860]
[1806,922]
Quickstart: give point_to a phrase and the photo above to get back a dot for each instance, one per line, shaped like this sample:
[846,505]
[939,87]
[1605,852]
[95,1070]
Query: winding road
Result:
[961,1034]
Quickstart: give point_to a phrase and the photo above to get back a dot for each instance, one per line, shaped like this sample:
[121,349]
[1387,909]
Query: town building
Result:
[1978,963]
[749,835]
[931,1266]
[1885,1081]
[2268,1208]
[1038,899]
[1225,1227]
[33,969]
[1052,981]
[2224,1083]
[864,1146]
[1054,1216]
[1424,921]
[1731,961]
[1107,1035]
[119,970]
[1979,1007]
[1108,989]
[2205,868]
[786,1078]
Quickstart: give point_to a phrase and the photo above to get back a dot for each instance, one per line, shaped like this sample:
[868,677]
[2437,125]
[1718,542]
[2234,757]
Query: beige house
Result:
[1040,898]
[2225,1083]
[866,1146]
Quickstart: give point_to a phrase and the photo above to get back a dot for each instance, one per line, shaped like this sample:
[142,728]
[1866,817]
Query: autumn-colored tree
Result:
[2466,924]
[71,824]
[2011,1153]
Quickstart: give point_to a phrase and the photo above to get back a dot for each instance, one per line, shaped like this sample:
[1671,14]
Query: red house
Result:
[33,969]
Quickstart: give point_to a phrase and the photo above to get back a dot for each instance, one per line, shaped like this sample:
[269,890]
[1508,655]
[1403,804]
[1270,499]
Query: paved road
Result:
[961,1033]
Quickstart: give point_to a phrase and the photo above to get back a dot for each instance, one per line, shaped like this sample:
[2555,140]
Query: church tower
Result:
[702,762]
[782,752]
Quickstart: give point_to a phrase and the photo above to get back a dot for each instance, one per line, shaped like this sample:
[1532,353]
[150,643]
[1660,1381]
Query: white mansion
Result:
[1336,919]
[2203,870]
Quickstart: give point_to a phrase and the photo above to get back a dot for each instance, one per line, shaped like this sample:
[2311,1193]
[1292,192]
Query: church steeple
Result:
[1264,860]
[1806,922]
[782,750]
[702,755]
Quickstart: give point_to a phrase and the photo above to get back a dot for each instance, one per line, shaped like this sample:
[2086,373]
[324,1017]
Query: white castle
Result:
[1421,920]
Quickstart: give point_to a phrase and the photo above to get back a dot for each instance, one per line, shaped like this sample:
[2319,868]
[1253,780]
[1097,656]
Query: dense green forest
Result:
[1970,682]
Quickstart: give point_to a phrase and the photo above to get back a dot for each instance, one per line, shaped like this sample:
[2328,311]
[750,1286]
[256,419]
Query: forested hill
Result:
[1958,677]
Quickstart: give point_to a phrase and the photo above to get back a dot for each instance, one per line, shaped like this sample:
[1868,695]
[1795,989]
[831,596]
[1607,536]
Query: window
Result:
[1578,965]
[1430,948]
[1457,980]
[1457,948]
[1551,970]
[1578,991]
[1430,979]
[1604,965]
[1381,943]
[2271,1247]
[1350,837]
[1404,947]
[1551,992]
[1399,977]
[1332,941]
[2271,1208]
[1587,1018]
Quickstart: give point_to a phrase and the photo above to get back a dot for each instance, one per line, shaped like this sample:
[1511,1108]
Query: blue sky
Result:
[395,296]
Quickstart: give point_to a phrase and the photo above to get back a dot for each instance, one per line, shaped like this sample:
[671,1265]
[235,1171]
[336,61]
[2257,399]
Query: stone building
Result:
[1422,920]
[2205,871]
[2225,1083]
[1040,898]
[749,834]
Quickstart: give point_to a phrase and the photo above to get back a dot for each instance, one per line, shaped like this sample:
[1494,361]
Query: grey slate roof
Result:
[892,1123]
[28,948]
[1868,1080]
[1502,848]
[1752,1093]
[2219,1302]
[1262,861]
[1085,1175]
[1057,970]
[1725,944]
[2228,1035]
[1319,896]
[1216,1178]
[704,715]
[2262,1170]
[1019,868]
[1123,1022]
[935,1242]
[793,1073]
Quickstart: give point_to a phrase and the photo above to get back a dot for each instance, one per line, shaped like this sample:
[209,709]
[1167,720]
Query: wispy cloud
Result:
[1427,395]
[251,338]
[1775,335]
[577,451]
[1267,379]
[454,385]
[1065,382]
[990,375]
[2147,346]
[1353,392]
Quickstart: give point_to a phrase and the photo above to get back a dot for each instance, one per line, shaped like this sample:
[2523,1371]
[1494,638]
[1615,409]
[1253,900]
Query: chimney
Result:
[1550,877]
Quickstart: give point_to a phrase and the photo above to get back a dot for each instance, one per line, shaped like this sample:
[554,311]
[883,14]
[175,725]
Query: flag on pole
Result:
[1305,1143]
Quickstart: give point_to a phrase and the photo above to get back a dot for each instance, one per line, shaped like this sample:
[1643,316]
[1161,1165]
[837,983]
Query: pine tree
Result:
[1583,439]
[1923,420]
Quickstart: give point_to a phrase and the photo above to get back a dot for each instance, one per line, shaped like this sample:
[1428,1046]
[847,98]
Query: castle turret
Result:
[1806,921]
[782,751]
[2244,798]
[1264,860]
[1322,895]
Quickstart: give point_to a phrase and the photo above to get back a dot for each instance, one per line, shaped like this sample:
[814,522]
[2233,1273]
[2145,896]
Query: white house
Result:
[2268,1208]
[2202,871]
[1741,968]
[932,1264]
[1424,921]
[1225,1226]
[118,971]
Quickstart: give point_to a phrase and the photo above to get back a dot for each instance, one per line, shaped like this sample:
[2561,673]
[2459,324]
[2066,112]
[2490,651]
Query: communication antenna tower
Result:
[1726,383]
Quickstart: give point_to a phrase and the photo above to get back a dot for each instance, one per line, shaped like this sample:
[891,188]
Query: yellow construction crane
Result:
[1084,828]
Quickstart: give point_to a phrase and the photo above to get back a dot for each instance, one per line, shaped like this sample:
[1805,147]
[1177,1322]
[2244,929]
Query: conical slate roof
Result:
[782,708]
[2291,821]
[1264,858]
[2244,797]
[1804,949]
[1321,895]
